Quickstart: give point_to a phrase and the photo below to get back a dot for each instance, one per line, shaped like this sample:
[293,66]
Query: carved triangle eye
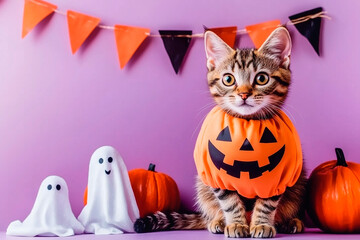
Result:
[267,137]
[247,146]
[224,135]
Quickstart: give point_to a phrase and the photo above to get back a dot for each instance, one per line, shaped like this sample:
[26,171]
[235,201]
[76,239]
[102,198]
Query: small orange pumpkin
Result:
[334,195]
[257,158]
[154,191]
[85,195]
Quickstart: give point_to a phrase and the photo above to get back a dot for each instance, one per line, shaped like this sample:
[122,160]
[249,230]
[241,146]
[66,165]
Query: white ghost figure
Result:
[51,214]
[111,206]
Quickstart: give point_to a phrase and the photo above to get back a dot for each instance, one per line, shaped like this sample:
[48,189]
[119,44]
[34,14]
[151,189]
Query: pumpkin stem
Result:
[340,157]
[152,167]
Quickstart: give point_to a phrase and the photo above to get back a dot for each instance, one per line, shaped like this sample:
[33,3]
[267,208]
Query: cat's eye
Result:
[261,78]
[228,80]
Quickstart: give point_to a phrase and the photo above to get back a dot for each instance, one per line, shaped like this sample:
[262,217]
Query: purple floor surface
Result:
[188,235]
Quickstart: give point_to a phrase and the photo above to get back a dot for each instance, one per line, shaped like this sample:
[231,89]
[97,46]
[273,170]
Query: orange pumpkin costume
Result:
[257,158]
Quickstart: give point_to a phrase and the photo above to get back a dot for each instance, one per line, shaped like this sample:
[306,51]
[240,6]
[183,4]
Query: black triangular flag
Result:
[176,46]
[267,137]
[310,28]
[247,146]
[224,135]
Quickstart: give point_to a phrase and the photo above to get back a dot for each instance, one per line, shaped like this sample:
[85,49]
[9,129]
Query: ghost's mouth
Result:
[108,172]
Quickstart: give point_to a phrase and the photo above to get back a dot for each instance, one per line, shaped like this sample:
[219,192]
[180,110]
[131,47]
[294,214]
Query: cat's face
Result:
[249,83]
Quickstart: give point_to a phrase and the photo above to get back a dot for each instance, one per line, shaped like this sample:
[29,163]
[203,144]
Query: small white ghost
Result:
[111,206]
[51,214]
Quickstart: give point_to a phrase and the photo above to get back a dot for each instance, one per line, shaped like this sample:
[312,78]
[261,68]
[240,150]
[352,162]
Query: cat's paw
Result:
[296,226]
[216,226]
[236,230]
[293,226]
[262,231]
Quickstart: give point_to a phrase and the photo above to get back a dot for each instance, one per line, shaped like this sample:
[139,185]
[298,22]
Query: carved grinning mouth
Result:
[108,172]
[252,167]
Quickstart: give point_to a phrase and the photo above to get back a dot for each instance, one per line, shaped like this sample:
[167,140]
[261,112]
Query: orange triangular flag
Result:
[260,32]
[227,34]
[34,12]
[80,27]
[128,39]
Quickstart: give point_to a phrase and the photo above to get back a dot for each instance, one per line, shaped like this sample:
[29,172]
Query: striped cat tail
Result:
[170,221]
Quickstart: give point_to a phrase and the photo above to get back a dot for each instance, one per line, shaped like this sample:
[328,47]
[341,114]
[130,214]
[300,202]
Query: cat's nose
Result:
[244,95]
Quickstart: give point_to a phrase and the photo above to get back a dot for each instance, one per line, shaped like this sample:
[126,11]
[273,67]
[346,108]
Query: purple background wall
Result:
[57,108]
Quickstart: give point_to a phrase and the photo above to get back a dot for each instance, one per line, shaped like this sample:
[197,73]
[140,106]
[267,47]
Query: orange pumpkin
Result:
[257,158]
[334,195]
[154,191]
[85,195]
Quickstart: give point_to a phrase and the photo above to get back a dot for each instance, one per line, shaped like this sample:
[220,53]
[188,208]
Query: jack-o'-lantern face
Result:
[256,158]
[247,148]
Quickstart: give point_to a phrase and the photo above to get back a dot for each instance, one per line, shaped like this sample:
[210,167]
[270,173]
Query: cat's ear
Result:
[278,46]
[216,50]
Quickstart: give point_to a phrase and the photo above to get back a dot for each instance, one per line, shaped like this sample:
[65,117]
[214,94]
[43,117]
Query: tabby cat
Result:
[249,84]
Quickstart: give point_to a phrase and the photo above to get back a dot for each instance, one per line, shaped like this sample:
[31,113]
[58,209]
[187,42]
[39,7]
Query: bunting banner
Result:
[176,44]
[309,28]
[128,39]
[261,31]
[80,27]
[34,12]
[227,34]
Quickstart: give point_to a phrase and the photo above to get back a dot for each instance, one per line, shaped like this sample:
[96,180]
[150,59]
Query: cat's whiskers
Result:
[267,112]
[261,114]
[273,108]
[203,92]
[198,125]
[282,107]
[294,109]
[206,107]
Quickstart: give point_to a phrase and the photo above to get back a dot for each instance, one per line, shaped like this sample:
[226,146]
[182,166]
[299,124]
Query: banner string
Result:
[308,17]
[238,32]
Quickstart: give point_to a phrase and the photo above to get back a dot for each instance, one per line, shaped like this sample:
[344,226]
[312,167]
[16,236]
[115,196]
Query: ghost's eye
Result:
[101,160]
[58,187]
[110,159]
[49,187]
